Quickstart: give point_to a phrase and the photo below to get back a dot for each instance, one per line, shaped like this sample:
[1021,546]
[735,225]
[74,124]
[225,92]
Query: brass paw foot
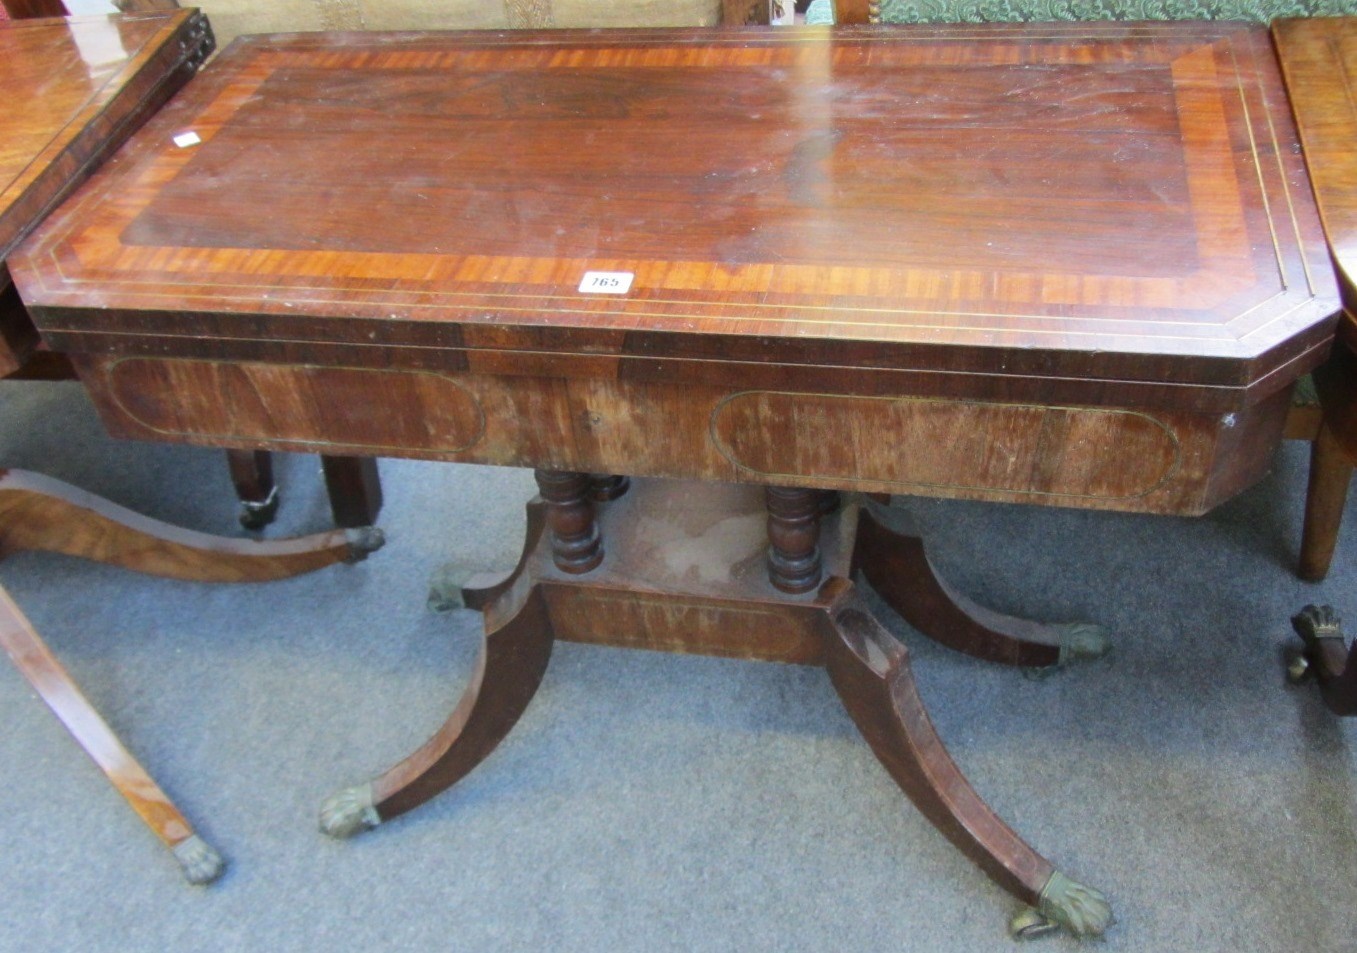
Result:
[200,862]
[1078,641]
[349,812]
[445,587]
[1317,622]
[1029,924]
[1298,668]
[1081,910]
[1325,657]
[363,541]
[1082,640]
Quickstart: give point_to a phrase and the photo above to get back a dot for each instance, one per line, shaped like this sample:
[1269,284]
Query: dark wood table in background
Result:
[1070,264]
[74,90]
[1319,61]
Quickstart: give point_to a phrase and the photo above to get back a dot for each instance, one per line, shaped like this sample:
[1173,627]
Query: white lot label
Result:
[186,139]
[606,282]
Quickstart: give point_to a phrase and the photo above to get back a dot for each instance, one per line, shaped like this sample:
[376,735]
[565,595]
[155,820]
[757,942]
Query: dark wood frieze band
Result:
[763,363]
[1157,461]
[375,411]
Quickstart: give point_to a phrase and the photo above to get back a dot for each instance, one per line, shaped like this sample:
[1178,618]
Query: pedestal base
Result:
[685,569]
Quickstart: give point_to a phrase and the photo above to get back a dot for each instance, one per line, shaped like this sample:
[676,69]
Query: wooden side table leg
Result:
[576,546]
[1326,657]
[38,512]
[893,560]
[54,685]
[252,475]
[1325,497]
[794,563]
[355,490]
[513,659]
[870,670]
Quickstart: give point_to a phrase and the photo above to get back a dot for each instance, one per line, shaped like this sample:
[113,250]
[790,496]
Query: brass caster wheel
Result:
[1065,904]
[1298,670]
[1029,924]
[256,515]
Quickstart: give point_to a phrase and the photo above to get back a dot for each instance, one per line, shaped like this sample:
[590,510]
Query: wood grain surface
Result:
[70,86]
[1123,200]
[54,685]
[74,89]
[1319,60]
[1147,460]
[1061,263]
[38,513]
[686,571]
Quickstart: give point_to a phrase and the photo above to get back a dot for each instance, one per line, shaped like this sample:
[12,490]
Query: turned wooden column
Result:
[576,546]
[794,537]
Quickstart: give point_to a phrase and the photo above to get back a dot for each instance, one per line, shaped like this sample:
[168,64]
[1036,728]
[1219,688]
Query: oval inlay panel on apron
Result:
[371,409]
[1017,448]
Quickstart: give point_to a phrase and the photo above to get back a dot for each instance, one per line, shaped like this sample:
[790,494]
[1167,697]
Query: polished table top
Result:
[1319,59]
[1066,215]
[74,87]
[69,83]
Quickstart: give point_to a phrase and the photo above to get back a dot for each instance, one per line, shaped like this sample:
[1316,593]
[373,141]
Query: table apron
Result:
[1129,459]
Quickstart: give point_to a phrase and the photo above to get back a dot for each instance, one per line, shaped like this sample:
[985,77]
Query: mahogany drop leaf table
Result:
[1059,264]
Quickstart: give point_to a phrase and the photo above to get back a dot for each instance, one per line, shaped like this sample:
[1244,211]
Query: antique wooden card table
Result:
[1069,264]
[1319,62]
[74,90]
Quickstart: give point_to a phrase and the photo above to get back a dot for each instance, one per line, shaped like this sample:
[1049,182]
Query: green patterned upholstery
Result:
[985,11]
[973,11]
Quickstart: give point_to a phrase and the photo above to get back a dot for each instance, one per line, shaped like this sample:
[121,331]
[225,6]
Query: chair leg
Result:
[355,490]
[353,483]
[1330,473]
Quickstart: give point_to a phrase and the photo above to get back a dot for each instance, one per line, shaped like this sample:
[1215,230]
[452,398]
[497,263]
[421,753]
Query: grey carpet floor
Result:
[649,802]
